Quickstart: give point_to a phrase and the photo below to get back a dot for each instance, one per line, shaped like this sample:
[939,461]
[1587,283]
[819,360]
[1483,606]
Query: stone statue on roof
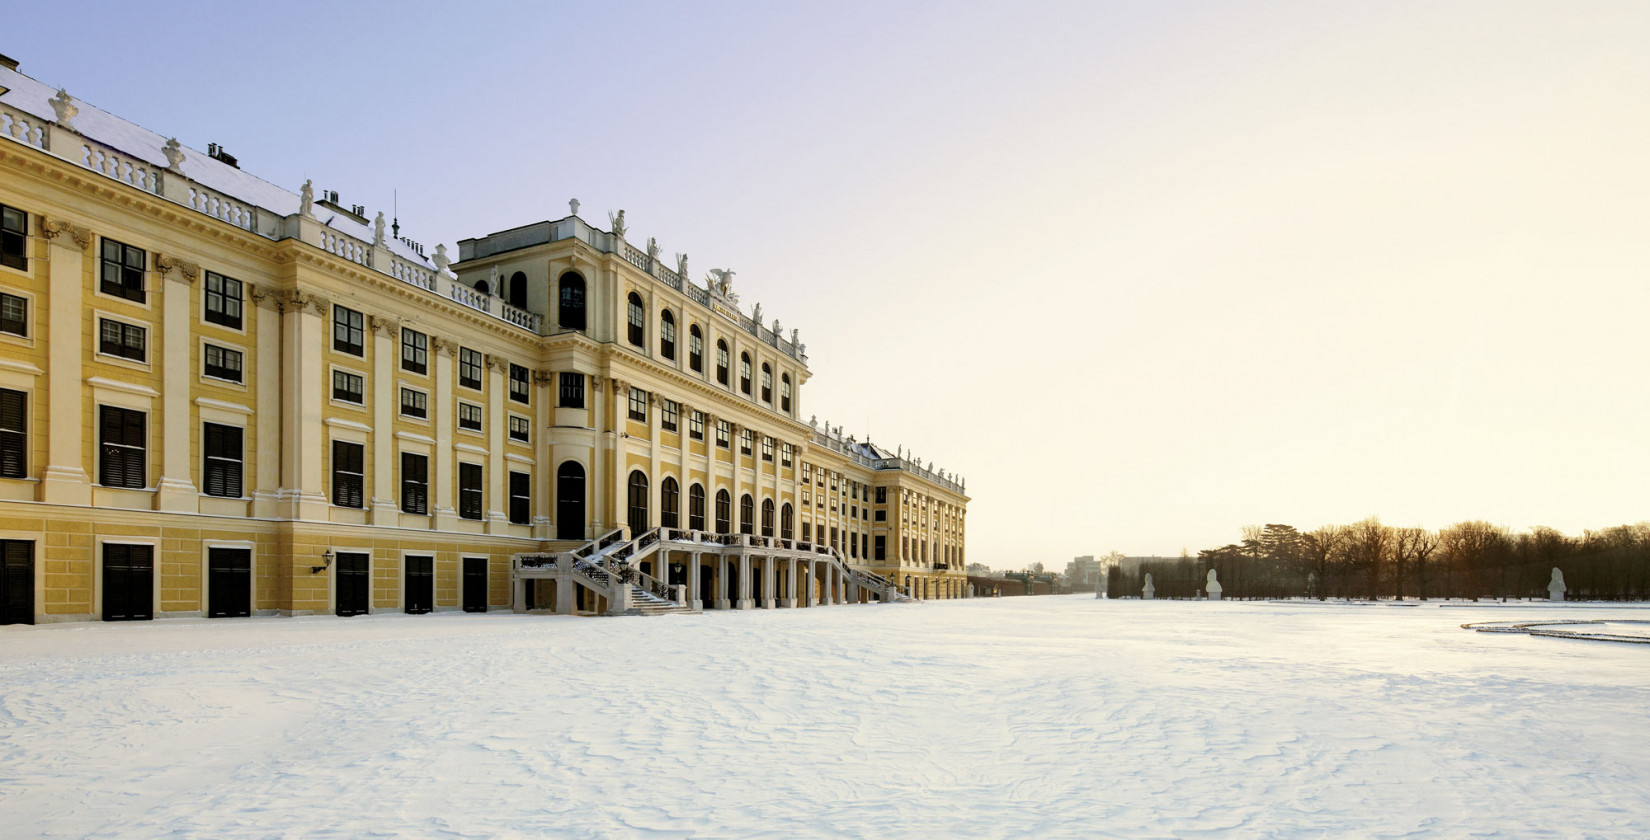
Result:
[617,220]
[63,105]
[306,200]
[174,155]
[681,267]
[756,315]
[793,337]
[720,281]
[441,260]
[378,231]
[572,207]
[652,251]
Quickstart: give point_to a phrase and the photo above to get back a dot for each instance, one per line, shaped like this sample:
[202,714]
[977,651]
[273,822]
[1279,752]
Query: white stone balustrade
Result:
[127,170]
[30,131]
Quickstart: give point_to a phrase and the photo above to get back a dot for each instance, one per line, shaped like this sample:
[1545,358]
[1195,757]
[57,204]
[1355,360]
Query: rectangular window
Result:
[223,363]
[414,403]
[638,404]
[222,468]
[346,387]
[14,315]
[519,428]
[519,380]
[807,531]
[469,416]
[123,267]
[128,341]
[785,455]
[14,436]
[807,473]
[767,448]
[521,498]
[469,491]
[415,483]
[571,390]
[723,429]
[807,498]
[882,495]
[223,300]
[864,545]
[882,548]
[348,334]
[746,437]
[833,536]
[124,447]
[469,368]
[882,516]
[670,414]
[696,425]
[348,471]
[14,238]
[415,352]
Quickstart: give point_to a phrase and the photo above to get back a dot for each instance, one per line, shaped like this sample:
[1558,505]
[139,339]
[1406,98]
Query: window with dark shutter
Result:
[415,483]
[469,491]
[127,341]
[223,300]
[222,363]
[222,466]
[571,390]
[123,447]
[521,498]
[14,315]
[14,438]
[122,270]
[14,238]
[519,379]
[347,471]
[346,387]
[348,331]
[415,352]
[469,368]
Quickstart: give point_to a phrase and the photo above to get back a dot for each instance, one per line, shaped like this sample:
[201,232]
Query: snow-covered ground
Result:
[1016,717]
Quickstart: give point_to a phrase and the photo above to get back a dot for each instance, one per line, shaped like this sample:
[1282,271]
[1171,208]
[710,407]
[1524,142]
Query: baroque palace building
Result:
[220,398]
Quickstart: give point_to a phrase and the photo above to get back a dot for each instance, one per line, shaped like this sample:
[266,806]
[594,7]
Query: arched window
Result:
[785,392]
[571,313]
[570,501]
[696,507]
[724,512]
[767,383]
[518,290]
[484,287]
[767,517]
[668,493]
[638,502]
[667,335]
[747,514]
[721,361]
[638,319]
[745,373]
[786,521]
[696,349]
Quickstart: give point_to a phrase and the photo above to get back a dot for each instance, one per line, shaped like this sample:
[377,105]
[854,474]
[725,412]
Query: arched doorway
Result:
[570,310]
[669,499]
[570,501]
[637,512]
[517,296]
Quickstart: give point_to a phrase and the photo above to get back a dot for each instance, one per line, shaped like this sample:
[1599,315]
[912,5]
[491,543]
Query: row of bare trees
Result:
[1372,560]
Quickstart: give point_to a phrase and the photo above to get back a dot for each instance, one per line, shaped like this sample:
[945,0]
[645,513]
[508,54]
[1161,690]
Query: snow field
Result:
[1016,717]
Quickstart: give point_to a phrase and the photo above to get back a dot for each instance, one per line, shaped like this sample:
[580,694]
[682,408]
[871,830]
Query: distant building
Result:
[1083,573]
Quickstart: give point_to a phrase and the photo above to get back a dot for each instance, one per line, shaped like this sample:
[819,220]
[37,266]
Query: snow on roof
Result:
[33,97]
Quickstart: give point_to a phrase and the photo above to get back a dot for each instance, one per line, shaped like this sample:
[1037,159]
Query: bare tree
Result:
[1368,545]
[1318,548]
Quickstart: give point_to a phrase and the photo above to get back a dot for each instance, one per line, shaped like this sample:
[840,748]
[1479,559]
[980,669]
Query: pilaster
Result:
[266,494]
[498,520]
[65,481]
[443,466]
[386,339]
[303,331]
[175,491]
[544,469]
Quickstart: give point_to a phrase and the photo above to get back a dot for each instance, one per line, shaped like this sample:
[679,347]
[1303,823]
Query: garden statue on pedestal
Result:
[1212,587]
[1555,587]
[1150,591]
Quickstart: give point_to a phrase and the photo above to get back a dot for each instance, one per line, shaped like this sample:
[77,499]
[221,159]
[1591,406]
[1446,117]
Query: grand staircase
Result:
[610,566]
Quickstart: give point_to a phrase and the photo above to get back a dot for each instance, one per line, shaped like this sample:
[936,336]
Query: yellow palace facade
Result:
[219,397]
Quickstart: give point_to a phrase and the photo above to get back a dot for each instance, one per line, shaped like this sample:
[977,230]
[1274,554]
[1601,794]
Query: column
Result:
[443,468]
[498,521]
[696,599]
[621,453]
[734,430]
[267,473]
[175,491]
[654,512]
[598,458]
[788,599]
[768,598]
[64,481]
[303,333]
[745,600]
[386,338]
[544,469]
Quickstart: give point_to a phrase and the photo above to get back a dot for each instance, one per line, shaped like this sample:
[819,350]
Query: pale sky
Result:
[1142,272]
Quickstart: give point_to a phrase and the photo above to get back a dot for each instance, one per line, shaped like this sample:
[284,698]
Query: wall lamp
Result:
[326,561]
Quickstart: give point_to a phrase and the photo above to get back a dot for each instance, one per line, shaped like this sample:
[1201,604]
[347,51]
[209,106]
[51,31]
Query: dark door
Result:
[228,582]
[351,571]
[707,586]
[420,595]
[475,584]
[16,582]
[570,501]
[128,582]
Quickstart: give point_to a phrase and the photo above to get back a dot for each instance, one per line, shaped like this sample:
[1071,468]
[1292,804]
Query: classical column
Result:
[737,511]
[544,470]
[303,335]
[495,509]
[768,598]
[386,337]
[443,465]
[64,481]
[175,491]
[788,599]
[265,497]
[621,453]
[604,439]
[654,512]
[695,597]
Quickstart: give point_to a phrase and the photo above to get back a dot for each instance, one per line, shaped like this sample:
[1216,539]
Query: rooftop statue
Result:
[681,267]
[572,207]
[378,230]
[617,220]
[64,105]
[652,251]
[174,155]
[306,200]
[441,261]
[756,315]
[720,281]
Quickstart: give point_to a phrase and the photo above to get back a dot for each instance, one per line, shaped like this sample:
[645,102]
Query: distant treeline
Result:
[1370,560]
